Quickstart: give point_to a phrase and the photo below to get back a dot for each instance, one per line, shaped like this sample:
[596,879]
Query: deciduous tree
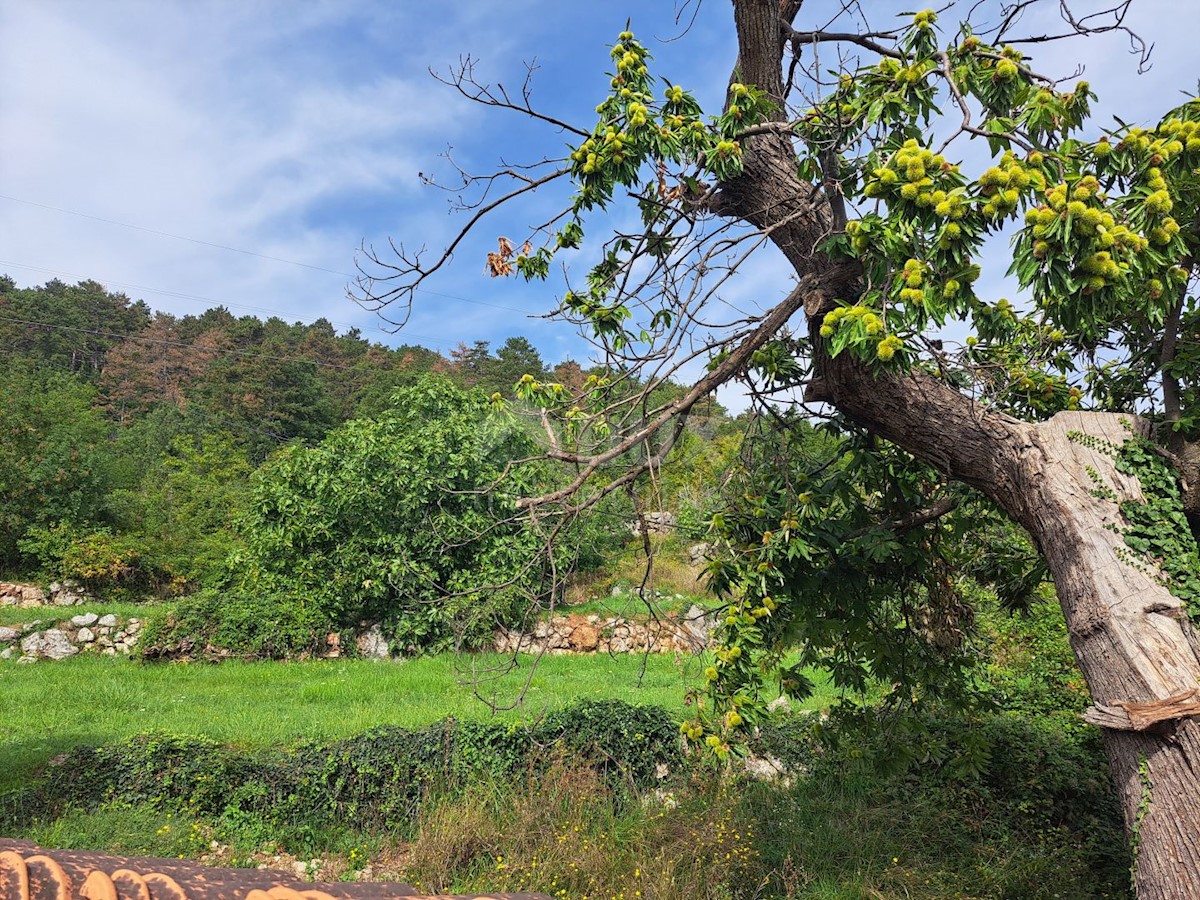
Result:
[1072,410]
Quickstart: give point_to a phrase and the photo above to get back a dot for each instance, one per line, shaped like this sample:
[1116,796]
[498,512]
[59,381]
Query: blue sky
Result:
[296,130]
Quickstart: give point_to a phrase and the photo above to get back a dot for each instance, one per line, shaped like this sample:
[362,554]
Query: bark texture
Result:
[1132,639]
[1131,636]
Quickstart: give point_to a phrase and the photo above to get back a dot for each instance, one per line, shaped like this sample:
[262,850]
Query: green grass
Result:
[19,615]
[630,606]
[51,707]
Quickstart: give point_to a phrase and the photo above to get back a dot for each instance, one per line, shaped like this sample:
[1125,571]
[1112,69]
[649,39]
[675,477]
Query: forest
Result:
[159,457]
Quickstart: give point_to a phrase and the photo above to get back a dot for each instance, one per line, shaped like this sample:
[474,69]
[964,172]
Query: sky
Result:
[194,153]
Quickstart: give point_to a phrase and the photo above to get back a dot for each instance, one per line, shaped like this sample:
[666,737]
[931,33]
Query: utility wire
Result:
[166,343]
[215,303]
[254,253]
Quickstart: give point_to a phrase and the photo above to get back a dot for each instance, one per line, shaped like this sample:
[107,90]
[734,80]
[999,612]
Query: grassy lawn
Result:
[19,615]
[629,605]
[50,707]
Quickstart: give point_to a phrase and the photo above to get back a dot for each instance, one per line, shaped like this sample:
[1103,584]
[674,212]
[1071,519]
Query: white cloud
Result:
[246,125]
[296,129]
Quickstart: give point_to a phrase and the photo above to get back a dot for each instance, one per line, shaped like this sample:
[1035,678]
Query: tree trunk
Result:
[1131,637]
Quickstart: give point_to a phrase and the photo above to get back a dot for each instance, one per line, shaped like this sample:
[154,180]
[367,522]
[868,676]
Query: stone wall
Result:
[576,633]
[64,593]
[85,633]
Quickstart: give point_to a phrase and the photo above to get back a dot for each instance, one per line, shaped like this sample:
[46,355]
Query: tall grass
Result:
[47,615]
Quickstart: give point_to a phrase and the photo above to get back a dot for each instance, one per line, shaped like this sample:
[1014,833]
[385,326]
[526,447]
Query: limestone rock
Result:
[7,653]
[8,634]
[108,621]
[85,636]
[695,629]
[50,644]
[768,768]
[660,522]
[372,644]
[68,593]
[17,594]
[584,637]
[84,620]
[779,704]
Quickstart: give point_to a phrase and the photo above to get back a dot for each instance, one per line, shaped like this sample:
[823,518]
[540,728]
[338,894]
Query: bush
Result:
[377,780]
[406,520]
[113,566]
[269,625]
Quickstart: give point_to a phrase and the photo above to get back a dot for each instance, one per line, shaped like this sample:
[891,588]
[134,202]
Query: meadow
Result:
[51,707]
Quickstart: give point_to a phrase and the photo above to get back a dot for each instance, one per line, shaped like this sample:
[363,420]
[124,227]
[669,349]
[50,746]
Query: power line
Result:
[166,343]
[254,253]
[215,303]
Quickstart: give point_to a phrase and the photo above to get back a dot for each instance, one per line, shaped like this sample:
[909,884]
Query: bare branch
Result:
[463,80]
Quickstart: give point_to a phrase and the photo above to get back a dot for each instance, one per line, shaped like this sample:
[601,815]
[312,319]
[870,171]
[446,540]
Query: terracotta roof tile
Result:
[28,872]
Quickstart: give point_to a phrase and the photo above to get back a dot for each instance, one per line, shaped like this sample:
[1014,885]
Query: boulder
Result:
[85,636]
[8,634]
[779,704]
[768,768]
[695,629]
[108,621]
[49,644]
[372,644]
[584,637]
[84,620]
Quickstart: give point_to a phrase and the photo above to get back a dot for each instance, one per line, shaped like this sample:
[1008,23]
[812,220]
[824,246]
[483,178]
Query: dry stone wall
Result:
[59,593]
[688,633]
[572,633]
[89,632]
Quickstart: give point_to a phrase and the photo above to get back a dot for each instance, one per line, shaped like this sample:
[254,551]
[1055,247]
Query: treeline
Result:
[256,465]
[266,382]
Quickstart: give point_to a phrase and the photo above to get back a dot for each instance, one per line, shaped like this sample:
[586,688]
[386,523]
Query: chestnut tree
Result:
[885,187]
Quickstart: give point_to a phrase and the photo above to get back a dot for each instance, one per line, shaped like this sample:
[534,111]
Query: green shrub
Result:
[108,565]
[376,780]
[407,520]
[269,625]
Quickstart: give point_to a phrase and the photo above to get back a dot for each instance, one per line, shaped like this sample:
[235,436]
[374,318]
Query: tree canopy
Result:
[888,187]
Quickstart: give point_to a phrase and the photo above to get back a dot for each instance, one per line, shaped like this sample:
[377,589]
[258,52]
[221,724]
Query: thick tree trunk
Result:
[1130,635]
[1132,638]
